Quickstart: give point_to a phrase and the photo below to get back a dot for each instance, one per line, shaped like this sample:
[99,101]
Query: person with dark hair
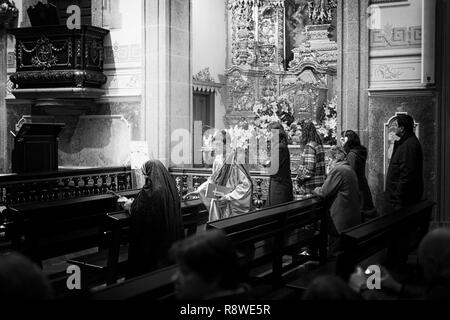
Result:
[311,173]
[340,192]
[404,181]
[156,220]
[22,279]
[207,268]
[227,172]
[357,156]
[329,288]
[280,183]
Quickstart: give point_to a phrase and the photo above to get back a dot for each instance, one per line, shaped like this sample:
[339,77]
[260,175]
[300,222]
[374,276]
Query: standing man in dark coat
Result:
[404,181]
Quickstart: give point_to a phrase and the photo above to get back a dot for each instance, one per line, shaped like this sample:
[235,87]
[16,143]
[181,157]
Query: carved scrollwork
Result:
[72,77]
[243,35]
[203,76]
[317,52]
[241,91]
[268,85]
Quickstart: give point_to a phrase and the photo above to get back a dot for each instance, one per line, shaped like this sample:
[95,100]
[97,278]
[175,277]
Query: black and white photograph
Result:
[226,158]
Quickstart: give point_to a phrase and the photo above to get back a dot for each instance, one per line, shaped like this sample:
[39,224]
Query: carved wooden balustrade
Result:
[189,179]
[43,187]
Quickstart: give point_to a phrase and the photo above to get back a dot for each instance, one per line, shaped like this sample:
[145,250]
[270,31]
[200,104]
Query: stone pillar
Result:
[353,67]
[443,83]
[3,79]
[168,77]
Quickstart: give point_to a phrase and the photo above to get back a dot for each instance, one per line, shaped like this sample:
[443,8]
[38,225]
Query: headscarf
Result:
[222,175]
[156,220]
[160,183]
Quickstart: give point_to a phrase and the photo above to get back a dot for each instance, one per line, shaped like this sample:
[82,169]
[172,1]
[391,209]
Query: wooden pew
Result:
[286,225]
[275,222]
[50,229]
[115,253]
[156,285]
[399,233]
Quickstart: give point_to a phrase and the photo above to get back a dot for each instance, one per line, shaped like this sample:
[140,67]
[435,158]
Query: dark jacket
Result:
[340,191]
[156,221]
[357,158]
[404,181]
[280,188]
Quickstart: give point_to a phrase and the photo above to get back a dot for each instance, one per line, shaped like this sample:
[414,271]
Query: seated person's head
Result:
[207,265]
[329,288]
[21,279]
[434,255]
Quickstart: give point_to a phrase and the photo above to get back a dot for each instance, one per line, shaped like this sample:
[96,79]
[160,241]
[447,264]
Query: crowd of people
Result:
[208,267]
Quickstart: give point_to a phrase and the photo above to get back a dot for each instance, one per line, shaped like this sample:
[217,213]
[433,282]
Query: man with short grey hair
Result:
[404,181]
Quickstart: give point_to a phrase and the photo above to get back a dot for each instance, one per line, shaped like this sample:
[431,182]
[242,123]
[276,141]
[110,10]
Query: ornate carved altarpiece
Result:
[261,33]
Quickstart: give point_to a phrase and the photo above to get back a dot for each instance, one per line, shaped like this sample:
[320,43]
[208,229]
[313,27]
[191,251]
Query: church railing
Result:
[64,184]
[189,179]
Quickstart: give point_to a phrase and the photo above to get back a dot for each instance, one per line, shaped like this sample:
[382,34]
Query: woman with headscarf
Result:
[230,173]
[156,221]
[357,157]
[280,183]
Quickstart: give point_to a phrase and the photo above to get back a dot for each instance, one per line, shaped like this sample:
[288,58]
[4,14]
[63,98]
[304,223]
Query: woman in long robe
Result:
[227,172]
[156,221]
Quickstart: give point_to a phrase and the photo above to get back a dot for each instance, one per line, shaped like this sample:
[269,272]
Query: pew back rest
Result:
[45,230]
[157,285]
[400,232]
[257,225]
[286,224]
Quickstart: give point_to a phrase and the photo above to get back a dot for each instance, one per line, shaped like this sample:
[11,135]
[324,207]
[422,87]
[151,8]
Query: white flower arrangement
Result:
[271,109]
[328,128]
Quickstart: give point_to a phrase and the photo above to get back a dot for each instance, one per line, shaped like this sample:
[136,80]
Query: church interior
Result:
[90,90]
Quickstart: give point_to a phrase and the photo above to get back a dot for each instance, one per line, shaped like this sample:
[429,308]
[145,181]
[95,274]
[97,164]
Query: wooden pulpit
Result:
[36,148]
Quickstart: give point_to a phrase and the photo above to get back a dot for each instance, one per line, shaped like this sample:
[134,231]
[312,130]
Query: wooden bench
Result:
[250,228]
[157,285]
[50,229]
[284,226]
[398,234]
[113,257]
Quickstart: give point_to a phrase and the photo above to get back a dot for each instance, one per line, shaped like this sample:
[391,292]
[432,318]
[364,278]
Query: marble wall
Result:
[97,141]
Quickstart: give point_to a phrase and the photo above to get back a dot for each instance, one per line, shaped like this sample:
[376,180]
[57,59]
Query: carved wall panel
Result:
[241,91]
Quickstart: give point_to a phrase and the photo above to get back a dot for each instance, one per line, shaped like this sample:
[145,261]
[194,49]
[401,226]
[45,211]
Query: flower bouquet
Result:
[328,127]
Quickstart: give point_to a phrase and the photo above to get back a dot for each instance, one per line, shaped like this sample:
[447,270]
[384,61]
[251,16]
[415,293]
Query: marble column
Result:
[3,79]
[353,67]
[443,84]
[168,78]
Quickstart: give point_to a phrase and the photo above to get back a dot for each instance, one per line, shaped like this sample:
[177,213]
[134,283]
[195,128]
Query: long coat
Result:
[280,184]
[404,181]
[340,191]
[357,158]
